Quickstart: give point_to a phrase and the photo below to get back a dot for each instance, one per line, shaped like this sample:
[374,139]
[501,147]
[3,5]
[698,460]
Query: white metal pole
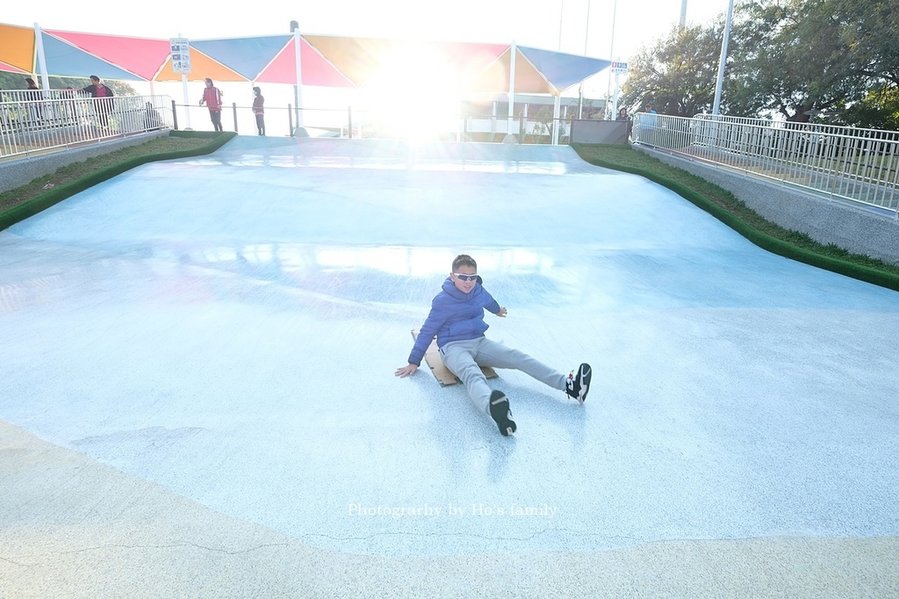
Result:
[187,103]
[557,122]
[716,107]
[41,58]
[611,57]
[616,94]
[683,13]
[514,51]
[561,15]
[296,48]
[580,103]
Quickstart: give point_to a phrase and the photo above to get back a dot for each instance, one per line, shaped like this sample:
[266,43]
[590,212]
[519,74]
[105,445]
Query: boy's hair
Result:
[464,260]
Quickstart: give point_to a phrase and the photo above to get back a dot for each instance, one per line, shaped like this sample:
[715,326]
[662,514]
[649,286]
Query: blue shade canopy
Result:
[328,60]
[65,60]
[247,55]
[563,70]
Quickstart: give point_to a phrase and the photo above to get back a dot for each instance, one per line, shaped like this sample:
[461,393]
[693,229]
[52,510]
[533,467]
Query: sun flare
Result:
[414,94]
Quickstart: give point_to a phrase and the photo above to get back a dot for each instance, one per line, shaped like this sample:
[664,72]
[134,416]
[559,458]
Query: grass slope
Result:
[724,206]
[25,201]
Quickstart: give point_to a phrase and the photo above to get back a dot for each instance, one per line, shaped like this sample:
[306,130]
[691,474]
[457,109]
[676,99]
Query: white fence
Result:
[861,165]
[36,121]
[357,123]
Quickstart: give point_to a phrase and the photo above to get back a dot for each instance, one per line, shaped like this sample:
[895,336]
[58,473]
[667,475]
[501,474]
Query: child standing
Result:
[259,110]
[457,320]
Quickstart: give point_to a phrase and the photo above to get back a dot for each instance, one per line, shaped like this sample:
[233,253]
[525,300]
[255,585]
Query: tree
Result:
[677,75]
[870,34]
[17,81]
[837,59]
[869,31]
[793,59]
[879,109]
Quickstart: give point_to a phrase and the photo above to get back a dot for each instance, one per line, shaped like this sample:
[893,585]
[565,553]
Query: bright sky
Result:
[535,23]
[545,24]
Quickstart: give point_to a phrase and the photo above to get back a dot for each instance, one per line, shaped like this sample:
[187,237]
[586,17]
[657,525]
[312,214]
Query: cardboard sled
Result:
[441,372]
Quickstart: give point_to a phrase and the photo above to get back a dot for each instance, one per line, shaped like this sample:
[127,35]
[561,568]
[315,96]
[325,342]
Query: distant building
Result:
[533,106]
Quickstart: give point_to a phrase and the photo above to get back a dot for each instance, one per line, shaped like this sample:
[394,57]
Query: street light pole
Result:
[561,15]
[580,105]
[611,57]
[716,107]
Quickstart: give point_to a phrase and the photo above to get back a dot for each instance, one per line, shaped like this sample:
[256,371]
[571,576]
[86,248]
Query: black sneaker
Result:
[578,383]
[499,411]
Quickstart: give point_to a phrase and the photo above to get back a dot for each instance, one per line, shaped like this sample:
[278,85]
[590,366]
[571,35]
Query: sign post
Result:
[617,67]
[180,51]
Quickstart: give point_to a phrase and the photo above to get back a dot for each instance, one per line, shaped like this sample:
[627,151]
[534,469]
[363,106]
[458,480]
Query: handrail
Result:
[63,119]
[860,165]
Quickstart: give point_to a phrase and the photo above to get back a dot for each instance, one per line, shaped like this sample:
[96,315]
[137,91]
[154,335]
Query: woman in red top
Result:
[212,97]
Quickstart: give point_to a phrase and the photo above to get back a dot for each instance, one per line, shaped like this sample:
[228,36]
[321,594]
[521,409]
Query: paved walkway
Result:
[198,396]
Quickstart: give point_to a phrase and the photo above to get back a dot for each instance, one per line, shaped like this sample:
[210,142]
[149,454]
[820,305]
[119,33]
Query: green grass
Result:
[25,201]
[724,206]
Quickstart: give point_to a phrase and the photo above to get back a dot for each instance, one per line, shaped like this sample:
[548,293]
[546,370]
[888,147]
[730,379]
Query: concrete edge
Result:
[73,527]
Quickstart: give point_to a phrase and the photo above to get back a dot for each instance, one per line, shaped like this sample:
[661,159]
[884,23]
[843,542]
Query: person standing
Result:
[31,85]
[212,98]
[259,110]
[104,105]
[33,97]
[623,116]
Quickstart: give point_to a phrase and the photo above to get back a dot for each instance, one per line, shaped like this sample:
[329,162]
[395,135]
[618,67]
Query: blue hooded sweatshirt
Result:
[454,316]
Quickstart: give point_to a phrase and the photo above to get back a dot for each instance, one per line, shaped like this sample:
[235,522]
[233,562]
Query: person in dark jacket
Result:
[259,110]
[457,320]
[35,112]
[103,105]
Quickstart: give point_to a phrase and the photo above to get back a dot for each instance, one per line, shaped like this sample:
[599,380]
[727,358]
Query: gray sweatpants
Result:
[465,358]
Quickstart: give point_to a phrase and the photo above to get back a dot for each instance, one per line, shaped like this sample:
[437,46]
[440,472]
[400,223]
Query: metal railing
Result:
[34,122]
[356,123]
[861,165]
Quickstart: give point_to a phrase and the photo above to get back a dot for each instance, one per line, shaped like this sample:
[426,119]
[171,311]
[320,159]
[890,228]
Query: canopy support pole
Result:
[510,138]
[41,58]
[557,122]
[297,44]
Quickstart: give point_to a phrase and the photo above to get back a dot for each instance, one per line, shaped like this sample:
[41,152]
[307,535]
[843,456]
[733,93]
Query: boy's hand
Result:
[502,312]
[406,370]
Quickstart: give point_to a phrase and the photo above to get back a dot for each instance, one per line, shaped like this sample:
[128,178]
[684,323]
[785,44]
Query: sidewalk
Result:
[70,527]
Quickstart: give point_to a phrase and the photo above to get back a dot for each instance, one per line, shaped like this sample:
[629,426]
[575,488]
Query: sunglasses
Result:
[462,277]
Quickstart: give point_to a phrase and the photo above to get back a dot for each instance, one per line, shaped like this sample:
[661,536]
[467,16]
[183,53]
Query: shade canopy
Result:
[328,61]
[8,68]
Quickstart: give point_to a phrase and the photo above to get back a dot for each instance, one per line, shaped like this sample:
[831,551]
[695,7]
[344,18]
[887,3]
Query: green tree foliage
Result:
[673,76]
[879,109]
[834,60]
[871,34]
[793,59]
[16,81]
